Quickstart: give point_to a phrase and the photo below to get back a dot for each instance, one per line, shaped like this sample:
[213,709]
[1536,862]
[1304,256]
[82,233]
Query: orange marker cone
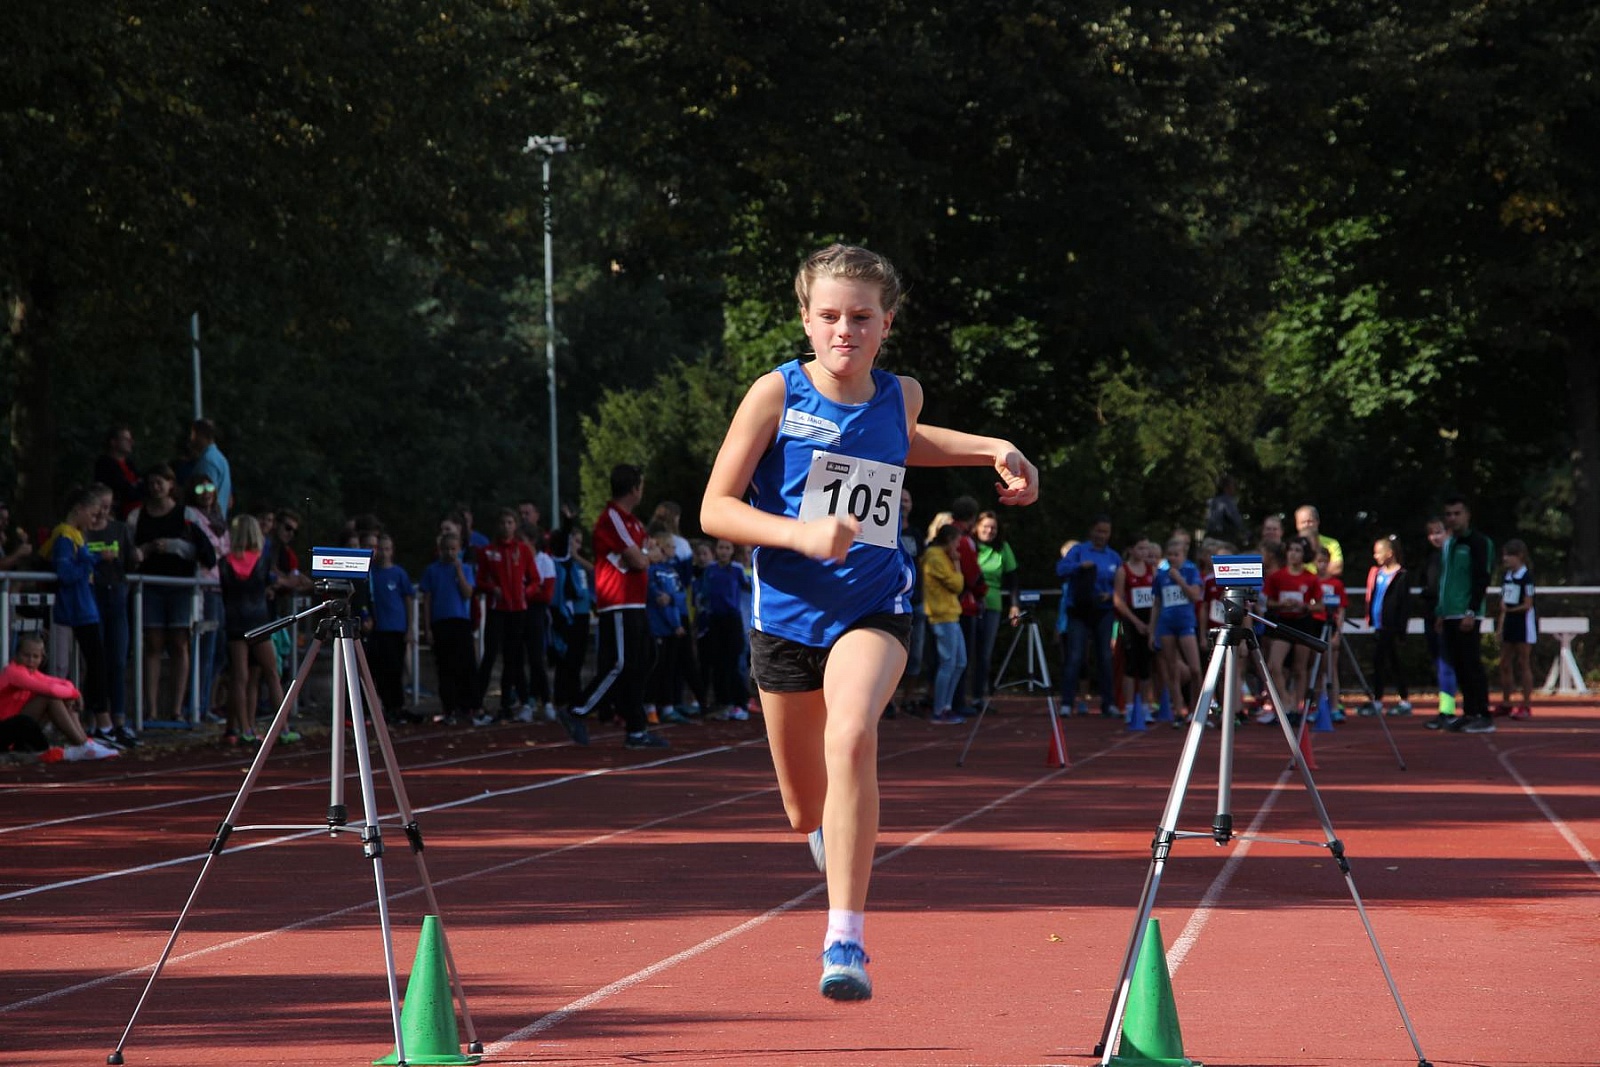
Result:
[1305,749]
[428,1018]
[1057,755]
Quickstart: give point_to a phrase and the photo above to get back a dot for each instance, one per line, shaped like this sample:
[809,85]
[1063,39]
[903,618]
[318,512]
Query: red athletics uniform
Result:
[616,586]
[1332,599]
[1298,594]
[505,570]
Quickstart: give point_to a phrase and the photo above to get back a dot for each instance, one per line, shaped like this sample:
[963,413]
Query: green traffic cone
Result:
[1150,1033]
[428,1019]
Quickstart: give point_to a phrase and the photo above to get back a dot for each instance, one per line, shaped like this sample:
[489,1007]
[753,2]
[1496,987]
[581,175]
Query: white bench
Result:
[1564,676]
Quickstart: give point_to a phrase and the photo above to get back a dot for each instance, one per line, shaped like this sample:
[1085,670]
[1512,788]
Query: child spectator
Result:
[112,545]
[667,607]
[1444,672]
[1519,629]
[246,575]
[75,607]
[1333,603]
[1388,612]
[170,546]
[1177,590]
[28,695]
[571,608]
[536,625]
[1133,599]
[942,585]
[721,585]
[506,569]
[211,645]
[16,548]
[1290,591]
[389,631]
[446,589]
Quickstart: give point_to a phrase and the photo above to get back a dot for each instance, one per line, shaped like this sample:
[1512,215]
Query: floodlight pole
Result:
[547,147]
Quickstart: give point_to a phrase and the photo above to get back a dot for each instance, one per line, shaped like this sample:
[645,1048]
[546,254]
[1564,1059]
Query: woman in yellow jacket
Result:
[941,599]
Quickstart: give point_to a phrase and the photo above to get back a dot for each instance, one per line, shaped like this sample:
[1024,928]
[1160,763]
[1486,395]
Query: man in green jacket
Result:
[1465,569]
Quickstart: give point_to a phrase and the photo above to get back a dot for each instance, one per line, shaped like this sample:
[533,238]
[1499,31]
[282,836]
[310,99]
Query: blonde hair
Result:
[940,521]
[850,262]
[245,533]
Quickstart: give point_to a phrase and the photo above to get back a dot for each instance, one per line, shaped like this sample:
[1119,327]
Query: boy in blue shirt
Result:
[446,589]
[719,591]
[388,630]
[667,608]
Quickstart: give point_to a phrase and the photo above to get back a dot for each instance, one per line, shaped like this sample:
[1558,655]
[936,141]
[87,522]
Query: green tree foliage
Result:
[1344,250]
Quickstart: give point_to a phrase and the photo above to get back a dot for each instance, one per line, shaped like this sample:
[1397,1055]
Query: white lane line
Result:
[371,905]
[466,877]
[1562,828]
[1208,903]
[561,1014]
[378,770]
[390,818]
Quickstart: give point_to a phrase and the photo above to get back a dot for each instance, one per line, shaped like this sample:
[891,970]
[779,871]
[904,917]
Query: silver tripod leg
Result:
[1222,830]
[220,841]
[371,833]
[1038,677]
[414,836]
[1160,848]
[1373,702]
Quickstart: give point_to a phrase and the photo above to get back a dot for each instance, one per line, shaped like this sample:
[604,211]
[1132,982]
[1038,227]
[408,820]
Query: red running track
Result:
[611,907]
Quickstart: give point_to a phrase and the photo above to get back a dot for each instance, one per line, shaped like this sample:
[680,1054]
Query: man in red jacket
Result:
[505,571]
[621,580]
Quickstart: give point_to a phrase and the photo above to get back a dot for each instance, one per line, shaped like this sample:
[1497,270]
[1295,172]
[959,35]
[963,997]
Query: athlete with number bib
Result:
[811,472]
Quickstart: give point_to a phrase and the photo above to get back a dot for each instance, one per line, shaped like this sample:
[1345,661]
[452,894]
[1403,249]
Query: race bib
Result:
[1511,594]
[868,492]
[1330,596]
[1144,598]
[1292,598]
[1173,597]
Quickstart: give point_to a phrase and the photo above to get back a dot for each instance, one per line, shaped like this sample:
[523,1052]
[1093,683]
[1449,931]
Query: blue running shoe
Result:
[844,972]
[818,855]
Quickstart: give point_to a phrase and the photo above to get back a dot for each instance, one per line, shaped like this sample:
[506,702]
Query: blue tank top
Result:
[802,599]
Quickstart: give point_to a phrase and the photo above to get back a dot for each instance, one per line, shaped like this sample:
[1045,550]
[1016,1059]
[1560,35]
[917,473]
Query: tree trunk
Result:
[33,418]
[1583,406]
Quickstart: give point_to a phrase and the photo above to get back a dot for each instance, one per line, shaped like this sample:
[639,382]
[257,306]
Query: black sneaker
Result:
[643,739]
[107,735]
[1478,724]
[1458,723]
[1441,722]
[125,735]
[576,728]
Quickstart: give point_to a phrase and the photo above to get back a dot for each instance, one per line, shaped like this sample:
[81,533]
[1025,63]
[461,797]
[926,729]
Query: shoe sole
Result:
[844,986]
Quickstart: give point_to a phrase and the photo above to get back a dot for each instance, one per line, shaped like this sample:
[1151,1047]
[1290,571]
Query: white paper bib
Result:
[868,492]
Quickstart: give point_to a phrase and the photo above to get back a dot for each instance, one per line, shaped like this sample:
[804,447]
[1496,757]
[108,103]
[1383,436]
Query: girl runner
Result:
[819,449]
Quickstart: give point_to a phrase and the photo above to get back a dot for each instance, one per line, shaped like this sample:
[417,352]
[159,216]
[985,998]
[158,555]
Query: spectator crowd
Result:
[514,613]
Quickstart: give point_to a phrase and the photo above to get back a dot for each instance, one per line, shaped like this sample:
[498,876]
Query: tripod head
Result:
[1241,580]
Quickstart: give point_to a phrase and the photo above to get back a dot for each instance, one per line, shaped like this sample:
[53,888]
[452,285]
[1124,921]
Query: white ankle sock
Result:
[844,926]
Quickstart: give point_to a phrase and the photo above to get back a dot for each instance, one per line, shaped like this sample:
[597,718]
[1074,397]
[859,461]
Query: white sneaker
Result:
[524,713]
[549,712]
[1264,716]
[738,715]
[90,749]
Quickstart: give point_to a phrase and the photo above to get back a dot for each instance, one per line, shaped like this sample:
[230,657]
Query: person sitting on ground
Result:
[28,695]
